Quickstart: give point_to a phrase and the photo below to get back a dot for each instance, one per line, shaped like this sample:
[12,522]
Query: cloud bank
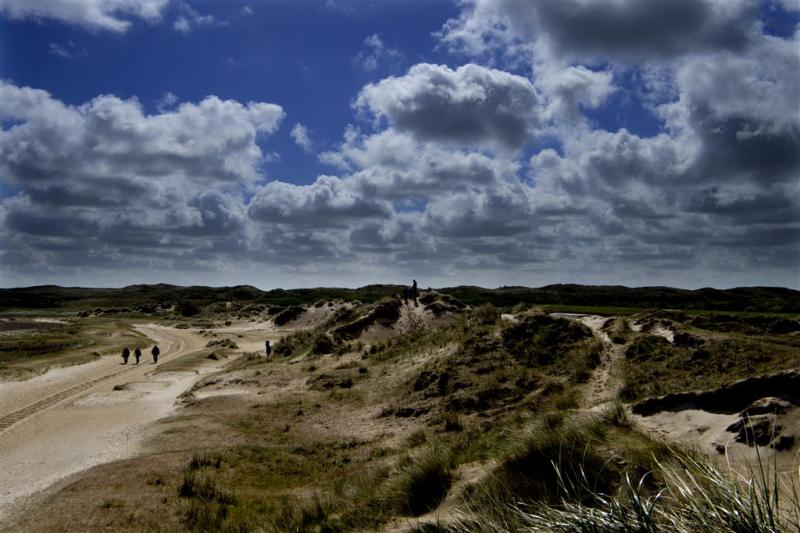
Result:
[493,172]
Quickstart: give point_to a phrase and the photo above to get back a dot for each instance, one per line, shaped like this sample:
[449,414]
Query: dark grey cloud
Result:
[740,148]
[643,29]
[748,206]
[611,29]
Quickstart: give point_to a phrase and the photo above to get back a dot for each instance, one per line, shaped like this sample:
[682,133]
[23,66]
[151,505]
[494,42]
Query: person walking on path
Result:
[137,353]
[267,348]
[125,354]
[155,352]
[414,292]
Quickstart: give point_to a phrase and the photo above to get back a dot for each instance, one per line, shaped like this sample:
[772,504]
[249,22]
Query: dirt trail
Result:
[85,415]
[22,398]
[601,388]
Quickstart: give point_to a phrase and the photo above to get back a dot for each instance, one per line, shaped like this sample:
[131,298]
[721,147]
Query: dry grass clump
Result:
[617,415]
[618,330]
[222,343]
[421,483]
[542,457]
[208,503]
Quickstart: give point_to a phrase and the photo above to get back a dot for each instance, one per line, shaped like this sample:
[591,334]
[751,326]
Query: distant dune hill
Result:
[762,299]
[772,299]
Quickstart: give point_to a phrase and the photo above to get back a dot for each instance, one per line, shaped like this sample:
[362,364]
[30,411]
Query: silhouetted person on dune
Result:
[125,354]
[414,292]
[155,351]
[137,353]
[267,349]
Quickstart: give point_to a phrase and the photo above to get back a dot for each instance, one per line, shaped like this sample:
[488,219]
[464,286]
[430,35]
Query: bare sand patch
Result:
[208,393]
[17,394]
[97,425]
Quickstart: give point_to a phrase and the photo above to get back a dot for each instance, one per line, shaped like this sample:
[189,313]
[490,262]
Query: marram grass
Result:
[694,494]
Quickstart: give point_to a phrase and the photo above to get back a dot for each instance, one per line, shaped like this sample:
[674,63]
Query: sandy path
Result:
[600,388]
[16,395]
[79,420]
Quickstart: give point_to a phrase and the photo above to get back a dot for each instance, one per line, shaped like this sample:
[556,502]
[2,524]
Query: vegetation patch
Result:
[385,313]
[618,330]
[653,366]
[758,325]
[290,314]
[686,493]
[222,343]
[421,483]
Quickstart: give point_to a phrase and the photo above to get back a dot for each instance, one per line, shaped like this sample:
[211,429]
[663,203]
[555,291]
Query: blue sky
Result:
[493,142]
[299,53]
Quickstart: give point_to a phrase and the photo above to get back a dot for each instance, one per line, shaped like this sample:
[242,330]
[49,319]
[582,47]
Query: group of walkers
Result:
[410,293]
[137,354]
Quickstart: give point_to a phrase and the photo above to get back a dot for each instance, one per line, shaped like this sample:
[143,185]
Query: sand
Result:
[71,419]
[602,388]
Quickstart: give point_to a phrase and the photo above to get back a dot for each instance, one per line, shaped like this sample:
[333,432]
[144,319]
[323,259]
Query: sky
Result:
[297,143]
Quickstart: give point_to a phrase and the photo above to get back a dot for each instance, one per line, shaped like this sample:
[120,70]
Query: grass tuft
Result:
[422,482]
[692,494]
[203,486]
[617,415]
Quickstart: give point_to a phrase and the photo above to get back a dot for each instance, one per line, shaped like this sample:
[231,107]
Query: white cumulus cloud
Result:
[301,136]
[471,104]
[113,15]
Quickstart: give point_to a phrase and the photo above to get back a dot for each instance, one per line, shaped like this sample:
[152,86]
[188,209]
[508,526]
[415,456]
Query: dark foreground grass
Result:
[686,494]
